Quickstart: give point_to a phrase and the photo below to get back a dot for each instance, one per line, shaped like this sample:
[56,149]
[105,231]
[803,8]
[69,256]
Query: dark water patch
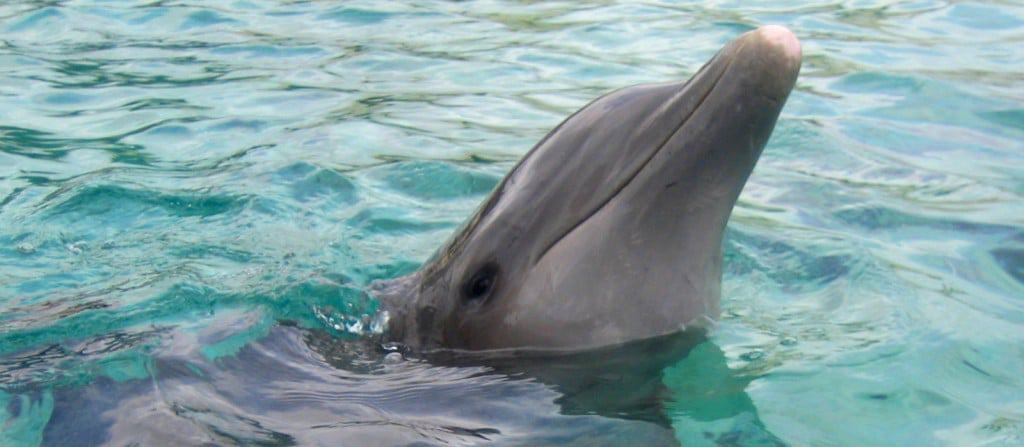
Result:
[167,131]
[796,269]
[33,143]
[82,74]
[120,202]
[40,179]
[43,145]
[205,18]
[881,218]
[275,52]
[381,220]
[921,100]
[253,125]
[206,251]
[1011,260]
[159,104]
[1010,118]
[10,197]
[356,16]
[307,182]
[43,17]
[67,99]
[434,180]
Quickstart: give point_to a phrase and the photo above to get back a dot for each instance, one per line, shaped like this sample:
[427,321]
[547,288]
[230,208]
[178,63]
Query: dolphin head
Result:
[610,229]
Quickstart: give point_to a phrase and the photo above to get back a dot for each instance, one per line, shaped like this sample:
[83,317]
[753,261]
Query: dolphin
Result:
[610,229]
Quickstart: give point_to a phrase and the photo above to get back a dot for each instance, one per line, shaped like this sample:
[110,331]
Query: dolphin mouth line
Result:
[714,86]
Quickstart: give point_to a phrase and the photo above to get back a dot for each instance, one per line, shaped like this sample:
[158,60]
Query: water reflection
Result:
[302,387]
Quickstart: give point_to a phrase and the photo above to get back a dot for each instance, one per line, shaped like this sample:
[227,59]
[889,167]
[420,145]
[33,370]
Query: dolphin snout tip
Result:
[782,39]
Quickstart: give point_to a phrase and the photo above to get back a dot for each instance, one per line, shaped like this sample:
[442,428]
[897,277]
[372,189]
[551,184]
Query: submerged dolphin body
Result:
[610,229]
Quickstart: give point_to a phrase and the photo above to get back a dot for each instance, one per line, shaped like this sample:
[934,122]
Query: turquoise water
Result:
[194,195]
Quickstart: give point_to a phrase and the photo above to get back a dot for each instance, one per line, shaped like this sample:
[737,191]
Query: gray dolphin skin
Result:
[610,229]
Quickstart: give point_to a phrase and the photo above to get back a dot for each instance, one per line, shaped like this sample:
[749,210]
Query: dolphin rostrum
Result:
[610,229]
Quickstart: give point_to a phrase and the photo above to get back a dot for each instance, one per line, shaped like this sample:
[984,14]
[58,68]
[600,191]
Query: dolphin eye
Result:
[481,283]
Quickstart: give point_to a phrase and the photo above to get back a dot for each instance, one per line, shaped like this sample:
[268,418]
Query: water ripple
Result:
[183,183]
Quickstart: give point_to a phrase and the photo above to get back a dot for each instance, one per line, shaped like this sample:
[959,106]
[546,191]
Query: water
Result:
[193,196]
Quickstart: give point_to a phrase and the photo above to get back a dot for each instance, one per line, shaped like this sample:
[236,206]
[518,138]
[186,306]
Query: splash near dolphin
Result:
[610,229]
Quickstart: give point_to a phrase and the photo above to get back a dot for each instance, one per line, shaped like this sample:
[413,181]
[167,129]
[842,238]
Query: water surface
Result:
[194,195]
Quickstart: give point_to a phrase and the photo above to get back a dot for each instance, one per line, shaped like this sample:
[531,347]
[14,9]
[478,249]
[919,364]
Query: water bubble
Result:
[355,327]
[26,248]
[380,321]
[76,248]
[752,356]
[392,347]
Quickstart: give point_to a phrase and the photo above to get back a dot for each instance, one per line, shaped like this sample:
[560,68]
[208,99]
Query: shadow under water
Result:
[301,387]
